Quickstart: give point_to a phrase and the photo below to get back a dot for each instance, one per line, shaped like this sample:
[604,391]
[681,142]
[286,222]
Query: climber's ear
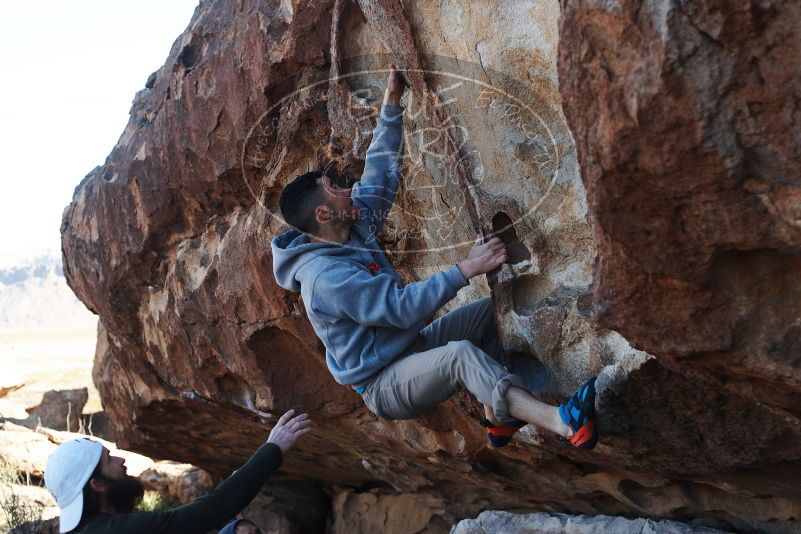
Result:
[323,214]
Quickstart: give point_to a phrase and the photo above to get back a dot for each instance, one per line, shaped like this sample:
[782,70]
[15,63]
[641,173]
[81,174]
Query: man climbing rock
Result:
[374,328]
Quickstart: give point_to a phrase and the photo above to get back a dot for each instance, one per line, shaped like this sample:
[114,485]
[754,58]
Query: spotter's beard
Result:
[125,494]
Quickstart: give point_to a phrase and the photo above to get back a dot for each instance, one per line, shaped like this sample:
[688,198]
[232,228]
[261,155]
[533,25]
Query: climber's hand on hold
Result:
[395,87]
[483,257]
[286,431]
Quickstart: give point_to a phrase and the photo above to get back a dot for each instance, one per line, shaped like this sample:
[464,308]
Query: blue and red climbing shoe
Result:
[501,435]
[579,414]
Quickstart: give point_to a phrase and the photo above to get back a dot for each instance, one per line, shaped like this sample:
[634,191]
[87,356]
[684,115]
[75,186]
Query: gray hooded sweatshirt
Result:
[354,298]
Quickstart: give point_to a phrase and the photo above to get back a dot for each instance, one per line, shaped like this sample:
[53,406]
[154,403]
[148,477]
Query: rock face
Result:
[290,507]
[24,452]
[682,246]
[374,512]
[59,410]
[183,483]
[685,120]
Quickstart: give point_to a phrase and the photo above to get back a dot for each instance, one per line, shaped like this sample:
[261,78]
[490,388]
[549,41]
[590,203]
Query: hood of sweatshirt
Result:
[292,250]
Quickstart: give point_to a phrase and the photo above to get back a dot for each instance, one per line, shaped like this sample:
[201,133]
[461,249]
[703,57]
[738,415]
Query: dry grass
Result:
[154,501]
[17,515]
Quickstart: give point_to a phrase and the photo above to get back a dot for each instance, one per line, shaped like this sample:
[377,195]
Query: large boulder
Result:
[493,522]
[686,131]
[381,512]
[59,410]
[289,507]
[182,483]
[673,274]
[23,451]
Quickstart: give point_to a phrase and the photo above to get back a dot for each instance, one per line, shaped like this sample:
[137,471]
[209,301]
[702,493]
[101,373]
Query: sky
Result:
[68,74]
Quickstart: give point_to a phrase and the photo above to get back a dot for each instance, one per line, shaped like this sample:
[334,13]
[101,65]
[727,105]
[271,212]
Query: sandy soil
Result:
[45,360]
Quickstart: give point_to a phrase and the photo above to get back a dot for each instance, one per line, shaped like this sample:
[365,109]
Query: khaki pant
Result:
[460,349]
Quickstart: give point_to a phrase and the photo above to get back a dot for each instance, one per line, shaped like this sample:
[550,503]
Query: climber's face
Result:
[338,205]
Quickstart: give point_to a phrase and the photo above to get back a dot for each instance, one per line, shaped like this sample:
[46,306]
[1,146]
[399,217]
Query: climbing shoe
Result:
[501,435]
[579,414]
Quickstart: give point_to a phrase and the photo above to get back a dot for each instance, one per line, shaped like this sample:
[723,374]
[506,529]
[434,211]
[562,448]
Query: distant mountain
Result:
[34,295]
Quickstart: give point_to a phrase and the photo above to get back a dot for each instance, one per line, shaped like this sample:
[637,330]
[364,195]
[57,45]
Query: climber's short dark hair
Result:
[300,198]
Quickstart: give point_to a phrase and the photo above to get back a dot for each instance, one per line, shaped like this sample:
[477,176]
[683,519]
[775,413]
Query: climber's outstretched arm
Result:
[376,190]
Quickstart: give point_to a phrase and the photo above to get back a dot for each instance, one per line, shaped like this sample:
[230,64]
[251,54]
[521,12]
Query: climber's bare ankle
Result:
[564,430]
[489,413]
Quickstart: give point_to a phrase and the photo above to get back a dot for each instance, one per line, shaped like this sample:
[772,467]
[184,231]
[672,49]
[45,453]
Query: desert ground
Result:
[42,361]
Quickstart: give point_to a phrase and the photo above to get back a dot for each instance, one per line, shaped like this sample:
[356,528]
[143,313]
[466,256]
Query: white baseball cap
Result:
[68,469]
